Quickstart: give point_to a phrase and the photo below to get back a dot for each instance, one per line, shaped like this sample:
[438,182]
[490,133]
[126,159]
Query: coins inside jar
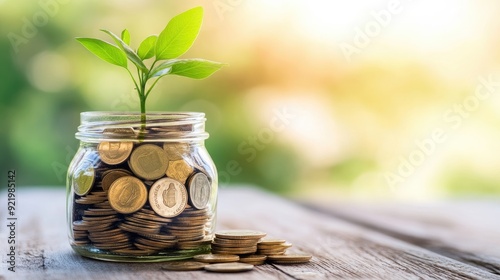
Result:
[127,194]
[111,176]
[168,197]
[199,190]
[83,178]
[114,152]
[131,208]
[179,170]
[149,162]
[176,150]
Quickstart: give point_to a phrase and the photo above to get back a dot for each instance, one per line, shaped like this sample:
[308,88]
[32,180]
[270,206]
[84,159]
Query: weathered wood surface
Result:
[341,249]
[468,231]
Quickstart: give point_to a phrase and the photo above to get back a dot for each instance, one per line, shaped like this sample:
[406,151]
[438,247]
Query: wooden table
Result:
[448,240]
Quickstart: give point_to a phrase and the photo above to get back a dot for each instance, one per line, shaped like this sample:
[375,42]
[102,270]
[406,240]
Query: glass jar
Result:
[141,191]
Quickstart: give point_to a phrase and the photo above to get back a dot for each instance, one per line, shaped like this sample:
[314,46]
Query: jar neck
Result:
[127,126]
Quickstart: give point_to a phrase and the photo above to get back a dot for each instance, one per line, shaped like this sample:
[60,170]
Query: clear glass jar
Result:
[141,191]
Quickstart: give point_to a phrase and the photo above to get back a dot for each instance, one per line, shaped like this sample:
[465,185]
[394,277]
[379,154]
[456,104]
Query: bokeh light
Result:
[365,85]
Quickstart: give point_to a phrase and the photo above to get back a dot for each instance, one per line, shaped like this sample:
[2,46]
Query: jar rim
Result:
[98,126]
[149,113]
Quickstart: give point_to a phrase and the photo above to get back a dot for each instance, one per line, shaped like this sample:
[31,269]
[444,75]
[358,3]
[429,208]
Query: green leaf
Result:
[104,51]
[161,70]
[191,68]
[131,55]
[147,47]
[179,34]
[126,36]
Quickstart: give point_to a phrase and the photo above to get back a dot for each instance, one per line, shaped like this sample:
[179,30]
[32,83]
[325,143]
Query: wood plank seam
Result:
[443,250]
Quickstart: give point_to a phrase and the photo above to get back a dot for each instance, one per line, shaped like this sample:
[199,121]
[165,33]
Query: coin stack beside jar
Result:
[141,199]
[233,251]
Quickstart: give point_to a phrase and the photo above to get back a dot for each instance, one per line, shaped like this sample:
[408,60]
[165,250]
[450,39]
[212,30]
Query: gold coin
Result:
[121,131]
[271,241]
[138,229]
[83,178]
[253,258]
[229,267]
[234,251]
[216,258]
[127,195]
[149,162]
[98,212]
[176,151]
[271,253]
[114,152]
[168,197]
[111,176]
[179,170]
[289,259]
[272,247]
[187,245]
[183,266]
[199,190]
[135,252]
[240,234]
[217,242]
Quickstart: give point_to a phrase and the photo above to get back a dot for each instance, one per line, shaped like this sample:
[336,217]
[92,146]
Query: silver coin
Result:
[168,197]
[199,190]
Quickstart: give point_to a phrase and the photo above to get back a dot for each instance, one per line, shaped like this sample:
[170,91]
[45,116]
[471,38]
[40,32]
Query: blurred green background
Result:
[367,100]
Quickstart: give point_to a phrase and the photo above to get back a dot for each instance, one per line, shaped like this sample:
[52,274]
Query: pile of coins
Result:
[236,242]
[272,247]
[141,199]
[234,251]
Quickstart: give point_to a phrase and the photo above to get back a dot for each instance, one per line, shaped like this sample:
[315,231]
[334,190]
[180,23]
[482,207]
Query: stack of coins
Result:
[253,259]
[232,251]
[222,263]
[141,199]
[289,258]
[216,258]
[214,267]
[252,248]
[236,242]
[272,247]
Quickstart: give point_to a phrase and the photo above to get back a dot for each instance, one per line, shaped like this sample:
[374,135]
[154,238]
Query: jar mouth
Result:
[98,126]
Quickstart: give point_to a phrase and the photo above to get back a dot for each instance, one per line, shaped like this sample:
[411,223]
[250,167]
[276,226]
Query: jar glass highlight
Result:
[141,191]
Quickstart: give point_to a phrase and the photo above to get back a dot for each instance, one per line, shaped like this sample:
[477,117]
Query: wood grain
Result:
[341,249]
[468,231]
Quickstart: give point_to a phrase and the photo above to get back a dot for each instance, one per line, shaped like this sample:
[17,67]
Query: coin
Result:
[176,151]
[98,212]
[253,259]
[183,266]
[149,162]
[121,131]
[244,243]
[229,267]
[168,197]
[179,170]
[199,190]
[271,241]
[188,245]
[289,259]
[234,251]
[111,176]
[127,195]
[240,234]
[114,153]
[135,252]
[271,252]
[216,258]
[83,178]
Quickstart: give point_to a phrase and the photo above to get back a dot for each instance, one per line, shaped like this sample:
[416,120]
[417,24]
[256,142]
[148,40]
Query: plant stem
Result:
[142,98]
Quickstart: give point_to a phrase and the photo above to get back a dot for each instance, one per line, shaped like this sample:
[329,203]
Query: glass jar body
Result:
[141,190]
